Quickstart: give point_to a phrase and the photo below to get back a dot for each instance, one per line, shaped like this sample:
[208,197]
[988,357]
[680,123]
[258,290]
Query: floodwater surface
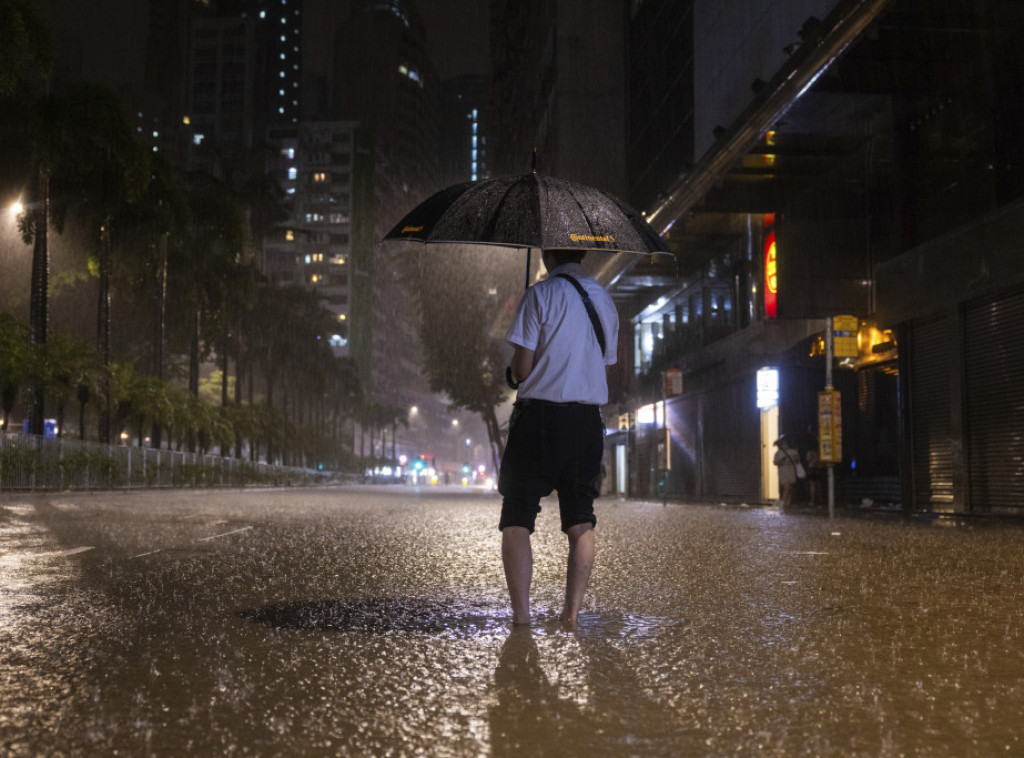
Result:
[373,621]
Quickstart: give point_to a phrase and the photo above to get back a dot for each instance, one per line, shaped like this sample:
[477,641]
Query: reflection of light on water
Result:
[24,569]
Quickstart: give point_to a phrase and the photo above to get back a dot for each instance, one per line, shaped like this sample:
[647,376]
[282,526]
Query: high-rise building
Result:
[385,81]
[559,88]
[465,122]
[222,83]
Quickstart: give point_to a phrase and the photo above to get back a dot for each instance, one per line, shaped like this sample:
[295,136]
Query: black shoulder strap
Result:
[598,330]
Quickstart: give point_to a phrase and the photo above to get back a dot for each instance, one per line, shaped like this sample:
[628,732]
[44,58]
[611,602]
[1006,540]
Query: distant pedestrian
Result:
[556,433]
[809,457]
[788,461]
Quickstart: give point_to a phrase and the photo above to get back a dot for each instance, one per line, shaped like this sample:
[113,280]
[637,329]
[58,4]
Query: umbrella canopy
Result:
[529,211]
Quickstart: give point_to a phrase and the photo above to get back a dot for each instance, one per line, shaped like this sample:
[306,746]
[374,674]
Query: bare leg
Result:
[582,547]
[517,557]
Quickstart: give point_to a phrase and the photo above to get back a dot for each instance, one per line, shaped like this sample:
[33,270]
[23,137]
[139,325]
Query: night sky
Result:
[108,38]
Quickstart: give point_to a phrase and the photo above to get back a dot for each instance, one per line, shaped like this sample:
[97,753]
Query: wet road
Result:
[372,621]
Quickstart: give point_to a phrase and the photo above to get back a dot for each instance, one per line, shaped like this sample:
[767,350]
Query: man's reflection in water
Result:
[530,718]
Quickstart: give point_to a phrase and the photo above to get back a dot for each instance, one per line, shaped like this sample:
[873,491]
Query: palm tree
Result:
[153,225]
[71,364]
[85,161]
[217,235]
[26,45]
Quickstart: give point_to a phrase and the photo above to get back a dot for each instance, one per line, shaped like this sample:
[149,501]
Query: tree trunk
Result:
[494,435]
[159,331]
[39,296]
[193,370]
[103,334]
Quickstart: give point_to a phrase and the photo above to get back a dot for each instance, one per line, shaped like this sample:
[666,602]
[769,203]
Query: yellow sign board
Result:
[844,336]
[830,427]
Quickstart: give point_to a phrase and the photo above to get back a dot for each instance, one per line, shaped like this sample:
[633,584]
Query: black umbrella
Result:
[531,211]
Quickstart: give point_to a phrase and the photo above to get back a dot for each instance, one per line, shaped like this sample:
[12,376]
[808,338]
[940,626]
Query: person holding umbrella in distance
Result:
[564,332]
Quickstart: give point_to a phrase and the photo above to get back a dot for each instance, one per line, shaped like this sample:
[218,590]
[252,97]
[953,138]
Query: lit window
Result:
[293,173]
[309,259]
[403,70]
[186,120]
[289,235]
[197,139]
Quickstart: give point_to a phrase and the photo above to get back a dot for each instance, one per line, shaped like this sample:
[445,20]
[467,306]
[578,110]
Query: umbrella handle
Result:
[526,284]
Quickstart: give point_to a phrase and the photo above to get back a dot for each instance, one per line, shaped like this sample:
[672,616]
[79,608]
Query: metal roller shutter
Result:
[931,423]
[994,403]
[731,464]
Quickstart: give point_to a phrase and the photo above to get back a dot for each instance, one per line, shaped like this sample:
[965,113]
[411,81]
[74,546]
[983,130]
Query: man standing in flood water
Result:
[564,332]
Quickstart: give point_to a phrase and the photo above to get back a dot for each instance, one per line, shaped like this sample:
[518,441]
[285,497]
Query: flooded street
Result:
[373,621]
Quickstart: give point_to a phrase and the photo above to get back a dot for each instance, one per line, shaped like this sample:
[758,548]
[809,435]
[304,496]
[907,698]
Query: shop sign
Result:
[844,336]
[771,277]
[767,388]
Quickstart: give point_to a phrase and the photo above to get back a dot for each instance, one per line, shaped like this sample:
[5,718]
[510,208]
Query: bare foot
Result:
[568,623]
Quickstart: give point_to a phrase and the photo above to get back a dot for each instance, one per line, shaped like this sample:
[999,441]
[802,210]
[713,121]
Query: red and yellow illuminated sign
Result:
[771,277]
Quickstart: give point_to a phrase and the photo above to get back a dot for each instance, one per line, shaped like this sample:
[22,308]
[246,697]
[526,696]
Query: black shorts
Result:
[551,446]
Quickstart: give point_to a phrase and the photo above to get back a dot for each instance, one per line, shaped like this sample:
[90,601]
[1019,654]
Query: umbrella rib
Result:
[492,222]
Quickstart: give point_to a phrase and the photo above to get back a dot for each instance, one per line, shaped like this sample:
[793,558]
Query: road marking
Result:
[143,555]
[65,553]
[225,534]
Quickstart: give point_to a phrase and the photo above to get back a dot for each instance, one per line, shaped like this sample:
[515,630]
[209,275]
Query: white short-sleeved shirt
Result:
[552,321]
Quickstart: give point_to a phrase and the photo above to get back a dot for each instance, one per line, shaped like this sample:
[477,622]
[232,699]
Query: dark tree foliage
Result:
[467,294]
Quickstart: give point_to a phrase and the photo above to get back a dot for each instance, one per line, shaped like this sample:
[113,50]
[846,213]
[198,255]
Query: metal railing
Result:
[30,462]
